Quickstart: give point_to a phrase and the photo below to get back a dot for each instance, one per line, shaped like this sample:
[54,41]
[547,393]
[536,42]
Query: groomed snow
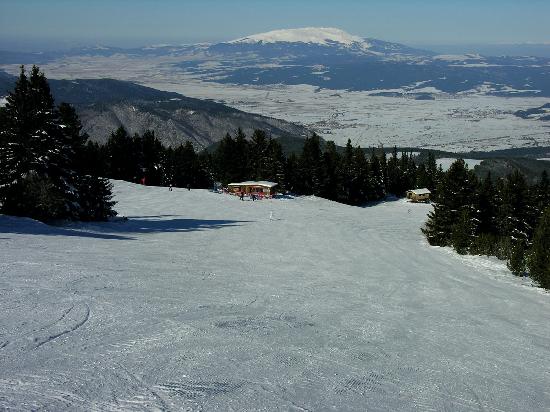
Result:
[311,35]
[201,302]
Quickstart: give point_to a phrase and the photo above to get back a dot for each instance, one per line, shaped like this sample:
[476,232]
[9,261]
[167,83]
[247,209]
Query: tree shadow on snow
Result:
[118,230]
[25,226]
[148,224]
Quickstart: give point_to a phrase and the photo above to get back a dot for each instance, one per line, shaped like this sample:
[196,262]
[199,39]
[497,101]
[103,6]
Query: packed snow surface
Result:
[202,302]
[313,35]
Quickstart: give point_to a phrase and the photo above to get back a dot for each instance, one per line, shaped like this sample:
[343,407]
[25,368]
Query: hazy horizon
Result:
[60,24]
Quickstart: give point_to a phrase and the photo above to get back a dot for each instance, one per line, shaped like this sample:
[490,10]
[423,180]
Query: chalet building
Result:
[419,195]
[261,189]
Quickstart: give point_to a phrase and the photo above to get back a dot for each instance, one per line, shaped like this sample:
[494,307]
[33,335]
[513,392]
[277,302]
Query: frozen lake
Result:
[201,302]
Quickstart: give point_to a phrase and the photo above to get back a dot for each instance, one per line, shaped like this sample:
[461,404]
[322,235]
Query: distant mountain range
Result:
[105,104]
[333,59]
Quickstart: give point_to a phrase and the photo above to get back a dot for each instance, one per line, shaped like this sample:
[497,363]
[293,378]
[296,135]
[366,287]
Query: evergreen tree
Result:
[486,205]
[275,163]
[331,184]
[541,195]
[124,156]
[432,175]
[463,232]
[538,261]
[259,156]
[347,173]
[376,178]
[34,154]
[361,184]
[242,162]
[95,198]
[516,262]
[310,167]
[395,176]
[40,145]
[150,157]
[456,195]
[513,212]
[292,173]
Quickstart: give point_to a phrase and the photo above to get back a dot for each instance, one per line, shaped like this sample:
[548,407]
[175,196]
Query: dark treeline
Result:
[507,218]
[347,175]
[40,147]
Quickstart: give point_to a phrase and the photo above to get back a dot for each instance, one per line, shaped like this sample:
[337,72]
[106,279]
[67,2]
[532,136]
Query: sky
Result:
[55,24]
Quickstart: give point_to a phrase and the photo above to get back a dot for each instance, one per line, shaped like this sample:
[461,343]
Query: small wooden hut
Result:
[419,195]
[260,189]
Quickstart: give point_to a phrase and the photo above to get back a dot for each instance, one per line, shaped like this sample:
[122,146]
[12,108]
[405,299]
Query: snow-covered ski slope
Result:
[201,302]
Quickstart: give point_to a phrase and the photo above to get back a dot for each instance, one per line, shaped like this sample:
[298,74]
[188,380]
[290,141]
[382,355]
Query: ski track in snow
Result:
[201,302]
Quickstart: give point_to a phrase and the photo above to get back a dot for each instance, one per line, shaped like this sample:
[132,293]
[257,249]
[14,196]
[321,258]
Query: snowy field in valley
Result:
[471,122]
[446,162]
[201,302]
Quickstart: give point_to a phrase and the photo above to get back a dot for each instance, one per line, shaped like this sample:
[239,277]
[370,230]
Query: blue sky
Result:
[60,23]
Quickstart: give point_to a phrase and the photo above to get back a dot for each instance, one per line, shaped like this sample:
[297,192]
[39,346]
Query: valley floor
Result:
[202,302]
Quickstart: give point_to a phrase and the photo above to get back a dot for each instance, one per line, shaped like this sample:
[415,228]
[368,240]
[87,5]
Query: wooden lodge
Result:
[260,189]
[419,195]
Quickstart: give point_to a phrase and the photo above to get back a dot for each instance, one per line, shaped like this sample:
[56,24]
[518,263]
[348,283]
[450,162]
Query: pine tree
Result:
[275,163]
[456,195]
[347,174]
[34,153]
[331,184]
[538,261]
[259,155]
[516,262]
[242,161]
[541,195]
[396,185]
[310,166]
[376,178]
[513,216]
[124,155]
[292,174]
[463,232]
[486,205]
[40,151]
[95,198]
[151,150]
[361,185]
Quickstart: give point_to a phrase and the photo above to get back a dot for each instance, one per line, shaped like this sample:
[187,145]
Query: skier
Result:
[188,187]
[170,187]
[242,196]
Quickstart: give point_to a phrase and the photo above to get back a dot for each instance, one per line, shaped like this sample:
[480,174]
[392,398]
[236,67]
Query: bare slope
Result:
[200,301]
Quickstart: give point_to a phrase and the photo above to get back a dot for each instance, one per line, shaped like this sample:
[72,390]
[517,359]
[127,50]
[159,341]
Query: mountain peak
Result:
[310,35]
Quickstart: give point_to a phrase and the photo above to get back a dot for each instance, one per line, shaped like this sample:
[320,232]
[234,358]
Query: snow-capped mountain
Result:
[323,36]
[310,41]
[334,59]
[330,58]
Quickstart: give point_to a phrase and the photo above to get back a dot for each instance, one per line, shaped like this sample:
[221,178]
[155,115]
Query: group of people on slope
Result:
[253,196]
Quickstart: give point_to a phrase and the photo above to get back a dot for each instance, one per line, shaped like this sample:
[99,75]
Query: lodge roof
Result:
[262,183]
[419,192]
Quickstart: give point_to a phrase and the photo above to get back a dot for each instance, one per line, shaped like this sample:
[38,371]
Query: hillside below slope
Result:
[201,301]
[106,104]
